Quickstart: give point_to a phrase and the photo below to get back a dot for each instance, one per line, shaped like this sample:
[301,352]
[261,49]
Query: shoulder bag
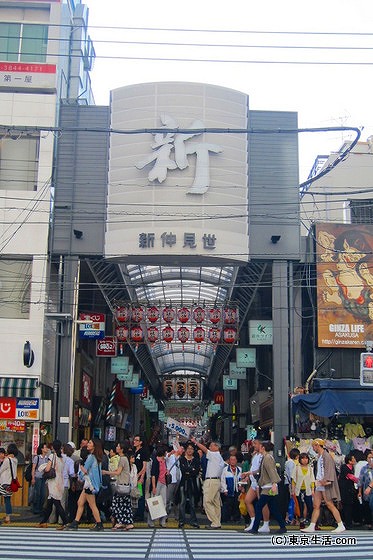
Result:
[14,485]
[47,475]
[122,489]
[169,475]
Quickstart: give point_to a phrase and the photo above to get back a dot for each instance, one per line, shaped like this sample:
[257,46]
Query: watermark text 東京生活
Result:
[315,539]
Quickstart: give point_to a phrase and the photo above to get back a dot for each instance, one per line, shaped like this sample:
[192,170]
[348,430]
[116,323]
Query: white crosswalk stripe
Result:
[173,544]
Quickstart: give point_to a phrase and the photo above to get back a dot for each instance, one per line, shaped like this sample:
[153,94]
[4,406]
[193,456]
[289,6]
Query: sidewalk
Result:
[23,517]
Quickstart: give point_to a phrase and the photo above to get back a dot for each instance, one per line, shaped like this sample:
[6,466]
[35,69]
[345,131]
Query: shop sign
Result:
[107,347]
[27,75]
[229,384]
[236,372]
[27,409]
[214,408]
[246,357]
[12,425]
[8,407]
[219,397]
[134,382]
[35,438]
[95,326]
[119,364]
[126,376]
[260,332]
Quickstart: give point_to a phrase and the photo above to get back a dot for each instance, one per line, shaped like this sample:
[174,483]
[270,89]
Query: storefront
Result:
[19,423]
[339,411]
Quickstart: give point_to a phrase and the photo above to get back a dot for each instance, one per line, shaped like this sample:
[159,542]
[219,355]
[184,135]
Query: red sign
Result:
[28,67]
[106,347]
[15,426]
[219,397]
[8,407]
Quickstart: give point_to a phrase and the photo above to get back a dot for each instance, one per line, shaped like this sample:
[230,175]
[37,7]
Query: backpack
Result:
[28,472]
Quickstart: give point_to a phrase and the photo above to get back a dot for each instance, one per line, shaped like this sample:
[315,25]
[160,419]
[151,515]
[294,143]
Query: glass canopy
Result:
[168,285]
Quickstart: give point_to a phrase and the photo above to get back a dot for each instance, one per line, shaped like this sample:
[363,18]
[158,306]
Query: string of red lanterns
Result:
[223,321]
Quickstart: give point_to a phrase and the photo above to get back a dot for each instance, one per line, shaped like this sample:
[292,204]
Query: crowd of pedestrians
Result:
[94,484]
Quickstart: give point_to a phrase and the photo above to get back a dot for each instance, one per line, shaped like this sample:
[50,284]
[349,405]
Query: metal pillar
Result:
[280,317]
[65,373]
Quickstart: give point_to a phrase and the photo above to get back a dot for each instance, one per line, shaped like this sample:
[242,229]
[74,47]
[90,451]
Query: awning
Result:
[17,386]
[329,403]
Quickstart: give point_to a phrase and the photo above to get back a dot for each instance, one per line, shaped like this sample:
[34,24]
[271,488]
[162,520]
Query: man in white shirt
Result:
[211,484]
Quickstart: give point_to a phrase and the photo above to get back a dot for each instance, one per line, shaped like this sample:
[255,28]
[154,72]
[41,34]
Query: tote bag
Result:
[156,507]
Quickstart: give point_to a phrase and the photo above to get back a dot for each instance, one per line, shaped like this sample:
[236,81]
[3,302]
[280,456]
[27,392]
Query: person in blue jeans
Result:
[268,481]
[37,479]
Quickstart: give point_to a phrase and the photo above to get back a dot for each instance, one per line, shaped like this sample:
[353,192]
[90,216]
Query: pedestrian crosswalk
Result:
[169,544]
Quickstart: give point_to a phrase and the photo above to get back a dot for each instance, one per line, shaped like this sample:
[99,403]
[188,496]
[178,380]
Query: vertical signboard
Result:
[344,265]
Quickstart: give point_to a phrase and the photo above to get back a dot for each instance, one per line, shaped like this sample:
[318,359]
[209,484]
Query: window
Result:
[15,288]
[361,211]
[23,42]
[19,157]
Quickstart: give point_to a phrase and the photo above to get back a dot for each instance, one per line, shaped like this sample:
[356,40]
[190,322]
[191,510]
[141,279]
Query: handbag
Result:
[14,485]
[122,489]
[168,476]
[47,475]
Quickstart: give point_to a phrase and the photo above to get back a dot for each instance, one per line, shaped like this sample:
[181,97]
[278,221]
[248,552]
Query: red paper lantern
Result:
[230,315]
[122,314]
[168,314]
[168,334]
[183,334]
[214,315]
[198,314]
[136,334]
[152,314]
[122,334]
[137,314]
[199,334]
[153,334]
[229,335]
[214,335]
[183,314]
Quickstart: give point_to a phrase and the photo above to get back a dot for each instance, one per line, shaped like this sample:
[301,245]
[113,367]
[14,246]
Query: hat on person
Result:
[72,444]
[319,441]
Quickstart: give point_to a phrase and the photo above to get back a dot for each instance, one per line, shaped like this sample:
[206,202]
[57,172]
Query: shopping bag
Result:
[156,507]
[296,507]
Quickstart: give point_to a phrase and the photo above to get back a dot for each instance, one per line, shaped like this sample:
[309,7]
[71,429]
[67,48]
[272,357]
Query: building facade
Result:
[45,58]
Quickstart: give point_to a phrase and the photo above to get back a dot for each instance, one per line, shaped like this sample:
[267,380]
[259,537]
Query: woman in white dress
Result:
[55,486]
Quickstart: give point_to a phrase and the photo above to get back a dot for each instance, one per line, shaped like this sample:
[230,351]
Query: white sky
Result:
[323,95]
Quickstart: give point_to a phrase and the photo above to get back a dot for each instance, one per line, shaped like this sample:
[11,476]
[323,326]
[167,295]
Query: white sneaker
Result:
[264,529]
[248,528]
[339,529]
[308,529]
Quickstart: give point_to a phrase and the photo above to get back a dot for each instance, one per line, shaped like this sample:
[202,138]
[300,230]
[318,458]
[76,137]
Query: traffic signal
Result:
[366,368]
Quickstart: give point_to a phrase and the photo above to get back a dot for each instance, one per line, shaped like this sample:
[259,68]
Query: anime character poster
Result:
[344,254]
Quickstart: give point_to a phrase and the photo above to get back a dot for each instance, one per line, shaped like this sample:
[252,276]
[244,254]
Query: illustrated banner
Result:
[344,257]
